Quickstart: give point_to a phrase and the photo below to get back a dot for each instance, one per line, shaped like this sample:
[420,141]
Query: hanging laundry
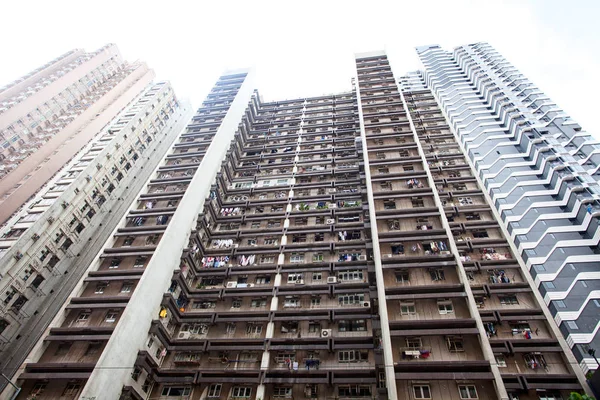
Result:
[222,243]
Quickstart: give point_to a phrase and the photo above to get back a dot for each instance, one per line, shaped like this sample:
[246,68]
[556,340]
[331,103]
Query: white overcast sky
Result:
[306,48]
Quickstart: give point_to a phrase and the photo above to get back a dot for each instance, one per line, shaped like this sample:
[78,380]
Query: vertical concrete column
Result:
[388,355]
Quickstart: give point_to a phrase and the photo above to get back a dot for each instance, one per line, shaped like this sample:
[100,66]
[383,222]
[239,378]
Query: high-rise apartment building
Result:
[48,244]
[333,247]
[540,170]
[50,114]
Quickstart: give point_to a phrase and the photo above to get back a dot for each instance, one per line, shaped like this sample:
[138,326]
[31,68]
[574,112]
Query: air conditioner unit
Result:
[331,190]
[366,304]
[299,282]
[362,257]
[331,206]
[330,221]
[332,279]
[326,332]
[231,284]
[184,335]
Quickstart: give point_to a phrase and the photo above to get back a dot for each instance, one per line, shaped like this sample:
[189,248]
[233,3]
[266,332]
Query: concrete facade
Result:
[332,247]
[49,115]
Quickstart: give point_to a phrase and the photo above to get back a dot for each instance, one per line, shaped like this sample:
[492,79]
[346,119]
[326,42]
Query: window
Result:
[114,263]
[148,382]
[126,288]
[407,308]
[241,392]
[270,241]
[135,374]
[572,325]
[549,285]
[314,327]
[402,276]
[357,325]
[282,392]
[230,328]
[111,316]
[204,304]
[100,287]
[214,390]
[297,258]
[351,298]
[301,221]
[281,357]
[140,262]
[480,233]
[437,274]
[354,391]
[421,392]
[350,276]
[257,303]
[501,361]
[83,316]
[236,303]
[3,325]
[414,343]
[317,257]
[38,388]
[345,356]
[389,205]
[445,307]
[80,227]
[417,202]
[550,396]
[317,276]
[464,201]
[176,391]
[508,300]
[315,301]
[267,260]
[291,302]
[467,391]
[560,304]
[519,327]
[263,280]
[455,344]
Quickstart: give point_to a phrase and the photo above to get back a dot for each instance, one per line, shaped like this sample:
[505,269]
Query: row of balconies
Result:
[277,224]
